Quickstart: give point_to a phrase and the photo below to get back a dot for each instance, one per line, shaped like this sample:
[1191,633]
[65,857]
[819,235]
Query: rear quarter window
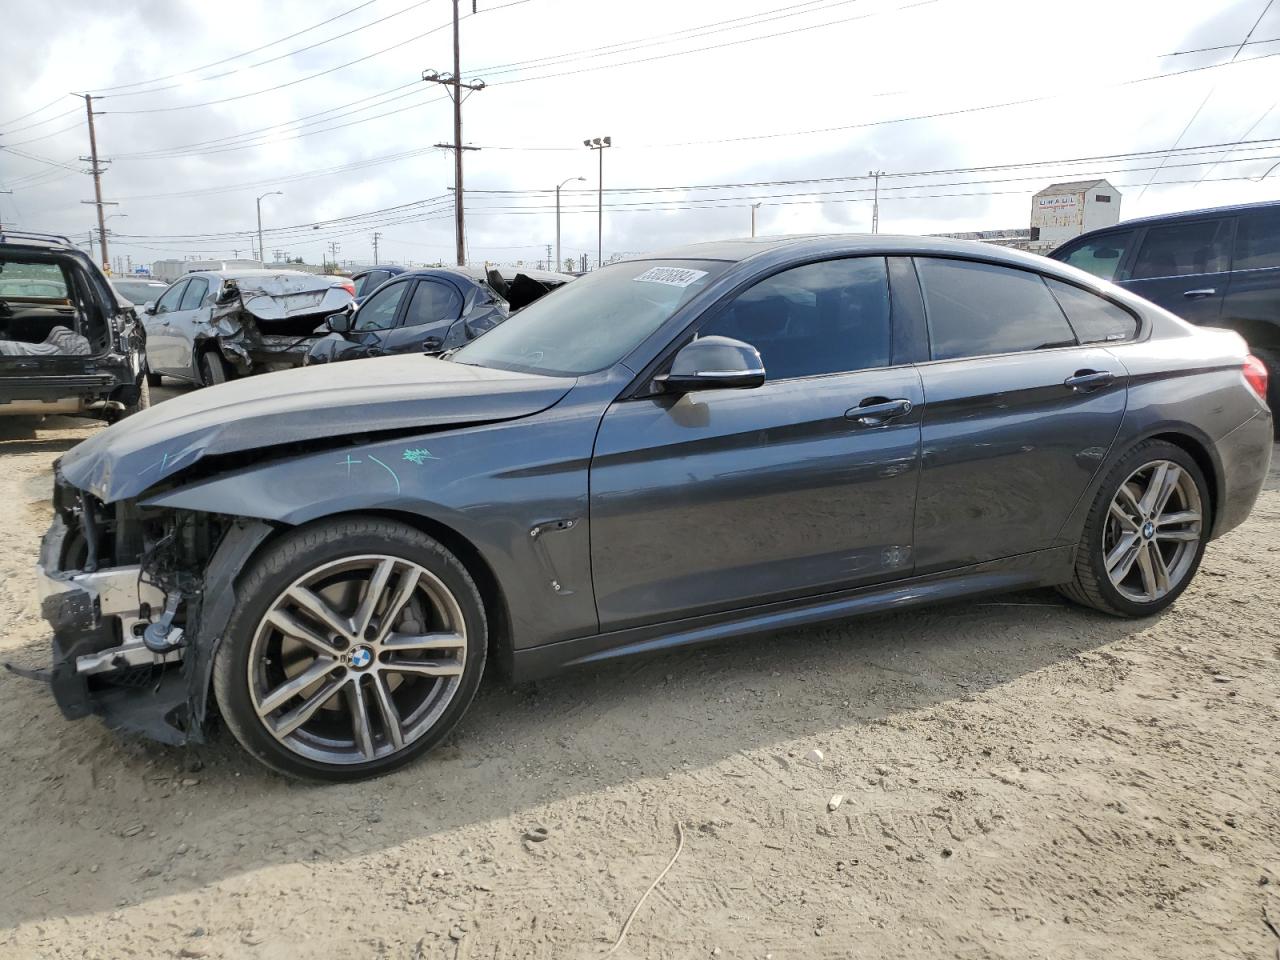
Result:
[1258,240]
[1094,319]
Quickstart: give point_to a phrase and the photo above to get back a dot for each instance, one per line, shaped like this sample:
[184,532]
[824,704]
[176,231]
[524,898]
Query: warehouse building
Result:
[1058,213]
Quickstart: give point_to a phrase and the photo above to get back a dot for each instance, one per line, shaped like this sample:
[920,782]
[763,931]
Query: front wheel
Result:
[213,368]
[1145,534]
[354,647]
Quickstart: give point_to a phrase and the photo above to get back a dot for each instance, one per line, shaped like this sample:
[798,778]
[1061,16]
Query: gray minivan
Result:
[1216,268]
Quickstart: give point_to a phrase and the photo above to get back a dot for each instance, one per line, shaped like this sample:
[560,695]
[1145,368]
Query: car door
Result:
[1019,412]
[1252,305]
[432,308]
[378,315]
[161,339]
[726,498]
[1185,267]
[186,324]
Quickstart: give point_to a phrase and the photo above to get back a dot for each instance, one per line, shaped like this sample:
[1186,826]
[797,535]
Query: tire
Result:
[213,369]
[429,686]
[1141,591]
[141,403]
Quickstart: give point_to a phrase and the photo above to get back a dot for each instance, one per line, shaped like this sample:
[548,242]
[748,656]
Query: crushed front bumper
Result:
[99,662]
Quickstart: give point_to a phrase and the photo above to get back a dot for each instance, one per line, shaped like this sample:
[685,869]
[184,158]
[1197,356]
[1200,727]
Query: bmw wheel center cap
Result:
[360,657]
[1148,529]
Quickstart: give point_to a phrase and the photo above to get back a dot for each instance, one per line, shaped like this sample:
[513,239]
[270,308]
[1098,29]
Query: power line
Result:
[237,56]
[282,56]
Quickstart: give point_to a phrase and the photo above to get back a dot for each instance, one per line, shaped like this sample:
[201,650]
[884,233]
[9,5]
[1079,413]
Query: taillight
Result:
[1255,374]
[350,287]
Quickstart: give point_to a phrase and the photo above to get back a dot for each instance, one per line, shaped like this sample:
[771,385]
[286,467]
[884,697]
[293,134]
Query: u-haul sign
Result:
[1046,203]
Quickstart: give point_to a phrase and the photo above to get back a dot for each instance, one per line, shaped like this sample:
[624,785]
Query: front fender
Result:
[459,479]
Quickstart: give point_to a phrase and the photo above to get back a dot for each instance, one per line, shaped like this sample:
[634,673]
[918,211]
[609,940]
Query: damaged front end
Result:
[269,323]
[137,599]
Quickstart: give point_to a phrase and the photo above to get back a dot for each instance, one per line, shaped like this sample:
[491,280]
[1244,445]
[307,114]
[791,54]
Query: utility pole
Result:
[875,204]
[15,208]
[334,247]
[454,86]
[274,193]
[90,244]
[599,144]
[96,170]
[754,208]
[558,186]
[376,237]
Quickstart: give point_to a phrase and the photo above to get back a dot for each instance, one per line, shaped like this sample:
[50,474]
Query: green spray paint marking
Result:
[419,456]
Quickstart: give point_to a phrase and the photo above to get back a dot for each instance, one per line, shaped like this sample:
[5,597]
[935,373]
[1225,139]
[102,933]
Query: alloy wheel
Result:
[357,659]
[1153,531]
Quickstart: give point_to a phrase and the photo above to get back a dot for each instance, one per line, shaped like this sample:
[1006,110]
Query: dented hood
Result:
[292,406]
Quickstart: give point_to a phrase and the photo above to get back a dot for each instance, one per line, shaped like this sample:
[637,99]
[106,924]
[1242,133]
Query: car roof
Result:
[24,238]
[1231,210]
[848,244]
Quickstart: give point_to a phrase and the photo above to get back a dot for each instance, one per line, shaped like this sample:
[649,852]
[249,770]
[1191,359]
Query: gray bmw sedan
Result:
[720,440]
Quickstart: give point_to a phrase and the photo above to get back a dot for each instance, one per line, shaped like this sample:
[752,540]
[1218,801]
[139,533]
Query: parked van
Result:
[1215,268]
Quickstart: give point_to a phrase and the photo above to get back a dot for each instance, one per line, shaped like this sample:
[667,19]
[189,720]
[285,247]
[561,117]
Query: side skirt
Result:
[1040,569]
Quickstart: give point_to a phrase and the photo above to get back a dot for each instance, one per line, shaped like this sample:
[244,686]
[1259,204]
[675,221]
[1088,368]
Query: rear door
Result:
[1019,413]
[1185,268]
[1252,306]
[723,499]
[433,307]
[162,349]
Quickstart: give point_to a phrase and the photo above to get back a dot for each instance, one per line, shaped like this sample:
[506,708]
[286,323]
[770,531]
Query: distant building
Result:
[1058,213]
[1066,210]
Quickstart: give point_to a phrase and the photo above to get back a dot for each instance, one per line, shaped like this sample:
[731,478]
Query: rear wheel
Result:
[213,369]
[1145,534]
[354,647]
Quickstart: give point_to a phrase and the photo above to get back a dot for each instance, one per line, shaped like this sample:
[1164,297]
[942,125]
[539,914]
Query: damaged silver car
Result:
[210,327]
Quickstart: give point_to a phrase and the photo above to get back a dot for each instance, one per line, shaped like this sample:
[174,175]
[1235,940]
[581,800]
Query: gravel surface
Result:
[1016,778]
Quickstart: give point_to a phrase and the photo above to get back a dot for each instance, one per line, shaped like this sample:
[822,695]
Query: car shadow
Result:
[22,435]
[128,805]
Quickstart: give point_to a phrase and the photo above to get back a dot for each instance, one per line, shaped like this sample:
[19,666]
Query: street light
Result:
[558,186]
[273,193]
[599,143]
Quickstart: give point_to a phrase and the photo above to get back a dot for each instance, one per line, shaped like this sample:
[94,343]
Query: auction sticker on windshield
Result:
[671,276]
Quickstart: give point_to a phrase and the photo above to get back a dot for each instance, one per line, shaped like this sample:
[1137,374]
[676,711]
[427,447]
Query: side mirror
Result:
[713,363]
[432,345]
[340,322]
[149,308]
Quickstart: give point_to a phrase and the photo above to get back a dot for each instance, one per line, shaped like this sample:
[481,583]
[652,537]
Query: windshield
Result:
[595,321]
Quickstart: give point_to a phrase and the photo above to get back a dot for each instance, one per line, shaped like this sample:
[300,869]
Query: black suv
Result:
[1215,268]
[68,343]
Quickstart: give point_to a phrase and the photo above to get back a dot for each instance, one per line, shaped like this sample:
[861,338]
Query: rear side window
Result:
[371,282]
[1094,319]
[1184,250]
[194,296]
[1100,256]
[1258,241]
[431,303]
[821,318]
[976,309]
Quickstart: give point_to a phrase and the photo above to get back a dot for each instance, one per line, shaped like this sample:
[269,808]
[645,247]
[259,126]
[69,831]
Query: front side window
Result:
[169,302]
[1258,240]
[821,318]
[1100,256]
[977,309]
[379,311]
[432,302]
[595,321]
[1184,250]
[1094,319]
[194,295]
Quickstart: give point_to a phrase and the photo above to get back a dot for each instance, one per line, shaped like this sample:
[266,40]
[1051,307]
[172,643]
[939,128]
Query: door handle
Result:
[874,411]
[1082,381]
[1199,294]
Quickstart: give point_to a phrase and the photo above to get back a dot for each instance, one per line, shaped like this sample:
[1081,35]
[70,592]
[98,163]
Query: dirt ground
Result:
[1020,779]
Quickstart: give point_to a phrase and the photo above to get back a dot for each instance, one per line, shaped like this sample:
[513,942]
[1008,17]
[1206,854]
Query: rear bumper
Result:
[1245,455]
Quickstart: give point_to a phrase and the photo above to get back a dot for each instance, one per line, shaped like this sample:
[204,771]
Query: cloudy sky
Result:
[207,105]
